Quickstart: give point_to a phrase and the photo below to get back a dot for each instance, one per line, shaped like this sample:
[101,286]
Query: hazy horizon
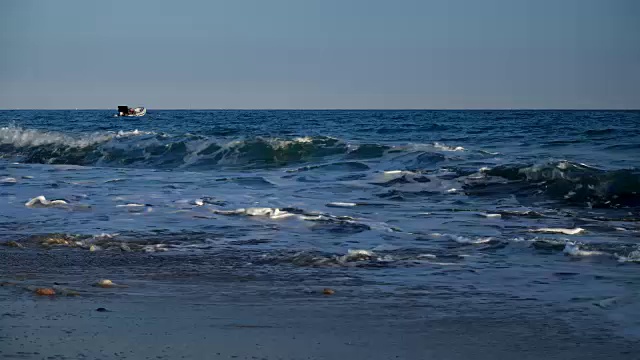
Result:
[317,55]
[114,108]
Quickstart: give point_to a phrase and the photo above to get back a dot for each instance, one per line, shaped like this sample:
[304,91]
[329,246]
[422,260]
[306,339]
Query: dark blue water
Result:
[538,206]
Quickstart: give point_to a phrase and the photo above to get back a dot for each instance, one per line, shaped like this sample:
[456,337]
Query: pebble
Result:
[328,291]
[105,283]
[45,291]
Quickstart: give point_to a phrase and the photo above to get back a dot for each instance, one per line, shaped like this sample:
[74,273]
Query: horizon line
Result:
[334,109]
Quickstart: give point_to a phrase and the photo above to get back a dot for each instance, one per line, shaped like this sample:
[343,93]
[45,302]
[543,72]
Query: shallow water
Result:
[540,207]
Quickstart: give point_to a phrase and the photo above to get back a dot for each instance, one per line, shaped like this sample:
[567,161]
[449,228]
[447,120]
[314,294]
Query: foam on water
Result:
[272,213]
[20,137]
[574,250]
[357,255]
[341,204]
[131,205]
[632,257]
[444,147]
[41,201]
[564,231]
[463,239]
[492,216]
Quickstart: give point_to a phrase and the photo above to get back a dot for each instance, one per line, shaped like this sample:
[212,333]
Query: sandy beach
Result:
[168,308]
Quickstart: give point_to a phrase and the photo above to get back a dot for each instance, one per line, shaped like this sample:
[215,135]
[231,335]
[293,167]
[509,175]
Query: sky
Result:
[319,54]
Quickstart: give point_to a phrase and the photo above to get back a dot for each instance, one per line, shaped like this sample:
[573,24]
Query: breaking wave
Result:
[158,150]
[622,252]
[565,181]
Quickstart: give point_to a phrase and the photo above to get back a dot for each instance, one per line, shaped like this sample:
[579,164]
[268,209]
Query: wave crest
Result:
[156,150]
[566,181]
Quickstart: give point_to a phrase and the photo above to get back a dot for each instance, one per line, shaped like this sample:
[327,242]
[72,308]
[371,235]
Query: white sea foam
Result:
[21,137]
[341,204]
[155,248]
[444,147]
[558,231]
[280,143]
[634,256]
[272,213]
[229,212]
[136,132]
[279,214]
[492,216]
[8,180]
[356,255]
[41,201]
[304,139]
[574,250]
[397,172]
[313,217]
[104,236]
[464,239]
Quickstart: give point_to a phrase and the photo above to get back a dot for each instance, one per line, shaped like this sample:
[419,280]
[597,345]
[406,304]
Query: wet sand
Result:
[172,310]
[166,329]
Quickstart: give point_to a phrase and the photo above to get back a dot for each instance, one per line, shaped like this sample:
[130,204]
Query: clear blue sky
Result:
[320,54]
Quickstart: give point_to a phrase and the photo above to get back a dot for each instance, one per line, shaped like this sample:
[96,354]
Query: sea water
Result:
[485,208]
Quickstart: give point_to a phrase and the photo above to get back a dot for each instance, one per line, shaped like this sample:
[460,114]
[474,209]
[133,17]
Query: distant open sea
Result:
[472,209]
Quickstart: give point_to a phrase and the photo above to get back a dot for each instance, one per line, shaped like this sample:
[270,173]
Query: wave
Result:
[596,132]
[444,147]
[379,256]
[321,221]
[463,239]
[622,252]
[564,181]
[201,152]
[362,258]
[149,149]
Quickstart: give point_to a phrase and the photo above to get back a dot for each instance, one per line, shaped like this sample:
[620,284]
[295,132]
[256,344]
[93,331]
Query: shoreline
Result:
[169,310]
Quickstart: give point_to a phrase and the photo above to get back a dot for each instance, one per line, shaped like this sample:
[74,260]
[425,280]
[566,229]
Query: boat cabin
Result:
[123,110]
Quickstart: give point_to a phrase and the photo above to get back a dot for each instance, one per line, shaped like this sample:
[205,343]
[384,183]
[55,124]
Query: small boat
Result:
[124,110]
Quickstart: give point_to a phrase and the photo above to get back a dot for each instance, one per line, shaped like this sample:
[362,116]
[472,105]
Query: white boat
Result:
[124,110]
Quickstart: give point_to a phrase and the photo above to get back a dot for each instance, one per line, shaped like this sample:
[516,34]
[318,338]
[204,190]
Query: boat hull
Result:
[137,112]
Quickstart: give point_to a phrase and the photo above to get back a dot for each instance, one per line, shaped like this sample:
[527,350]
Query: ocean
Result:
[527,215]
